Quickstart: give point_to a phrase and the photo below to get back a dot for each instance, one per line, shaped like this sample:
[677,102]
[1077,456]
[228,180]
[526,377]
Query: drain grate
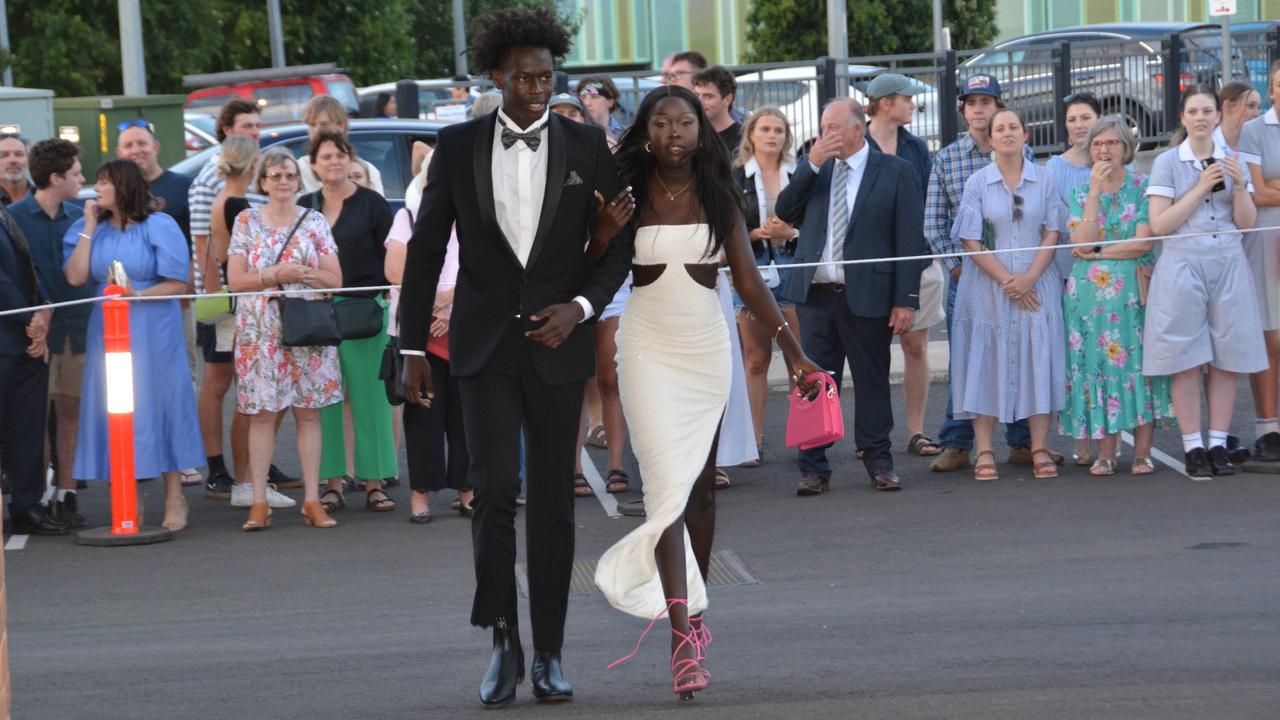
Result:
[726,569]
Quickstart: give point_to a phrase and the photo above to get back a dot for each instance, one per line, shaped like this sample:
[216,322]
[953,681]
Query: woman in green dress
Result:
[1104,307]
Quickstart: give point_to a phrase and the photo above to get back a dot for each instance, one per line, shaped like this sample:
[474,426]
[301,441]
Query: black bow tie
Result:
[532,138]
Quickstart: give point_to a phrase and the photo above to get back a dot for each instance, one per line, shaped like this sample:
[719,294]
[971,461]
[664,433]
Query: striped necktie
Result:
[839,209]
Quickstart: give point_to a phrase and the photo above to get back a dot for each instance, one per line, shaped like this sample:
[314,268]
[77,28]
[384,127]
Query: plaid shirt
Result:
[952,167]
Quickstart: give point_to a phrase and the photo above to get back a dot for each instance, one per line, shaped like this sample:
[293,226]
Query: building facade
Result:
[643,32]
[1020,17]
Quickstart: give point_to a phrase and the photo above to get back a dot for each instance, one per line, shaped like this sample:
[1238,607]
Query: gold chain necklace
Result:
[676,194]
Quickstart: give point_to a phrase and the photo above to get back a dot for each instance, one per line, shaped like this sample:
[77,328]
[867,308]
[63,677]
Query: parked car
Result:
[1121,63]
[431,94]
[200,131]
[279,100]
[385,143]
[795,91]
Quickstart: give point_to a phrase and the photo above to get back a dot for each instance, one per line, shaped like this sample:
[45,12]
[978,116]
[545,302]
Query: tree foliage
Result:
[779,30]
[73,46]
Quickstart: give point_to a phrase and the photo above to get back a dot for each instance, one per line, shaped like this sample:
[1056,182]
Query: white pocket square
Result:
[573,179]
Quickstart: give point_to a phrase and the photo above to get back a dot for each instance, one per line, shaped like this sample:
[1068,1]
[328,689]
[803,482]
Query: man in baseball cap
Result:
[980,84]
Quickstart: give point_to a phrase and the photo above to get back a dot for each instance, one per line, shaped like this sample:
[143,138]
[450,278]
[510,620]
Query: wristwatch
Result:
[1097,249]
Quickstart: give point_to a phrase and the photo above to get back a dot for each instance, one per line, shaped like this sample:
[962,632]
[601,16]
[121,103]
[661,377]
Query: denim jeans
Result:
[959,433]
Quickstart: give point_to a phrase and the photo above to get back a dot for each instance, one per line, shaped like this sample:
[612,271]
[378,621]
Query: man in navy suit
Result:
[24,382]
[852,202]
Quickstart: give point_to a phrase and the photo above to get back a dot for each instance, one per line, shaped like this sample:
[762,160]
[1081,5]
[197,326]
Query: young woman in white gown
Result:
[674,364]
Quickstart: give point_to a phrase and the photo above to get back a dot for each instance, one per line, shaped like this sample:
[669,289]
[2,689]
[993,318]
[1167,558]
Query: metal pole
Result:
[132,63]
[4,42]
[274,29]
[1227,68]
[837,30]
[938,45]
[459,39]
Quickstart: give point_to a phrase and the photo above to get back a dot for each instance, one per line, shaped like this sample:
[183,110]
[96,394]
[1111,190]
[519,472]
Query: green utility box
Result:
[93,124]
[27,112]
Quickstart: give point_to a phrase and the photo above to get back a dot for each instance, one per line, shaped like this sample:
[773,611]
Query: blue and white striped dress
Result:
[1006,362]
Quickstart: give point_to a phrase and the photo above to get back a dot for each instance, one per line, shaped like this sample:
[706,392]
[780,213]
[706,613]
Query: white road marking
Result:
[1166,459]
[597,486]
[16,542]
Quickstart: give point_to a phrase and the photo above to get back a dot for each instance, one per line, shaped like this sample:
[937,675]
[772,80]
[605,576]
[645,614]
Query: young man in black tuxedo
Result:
[521,186]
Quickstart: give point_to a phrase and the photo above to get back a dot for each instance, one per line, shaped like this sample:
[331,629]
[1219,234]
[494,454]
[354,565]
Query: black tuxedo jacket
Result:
[493,290]
[887,221]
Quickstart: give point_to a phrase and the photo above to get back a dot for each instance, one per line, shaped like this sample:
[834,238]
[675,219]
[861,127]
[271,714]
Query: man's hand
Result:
[561,319]
[415,380]
[828,146]
[901,319]
[39,324]
[955,274]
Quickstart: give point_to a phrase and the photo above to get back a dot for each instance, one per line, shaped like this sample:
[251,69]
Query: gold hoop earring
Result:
[647,148]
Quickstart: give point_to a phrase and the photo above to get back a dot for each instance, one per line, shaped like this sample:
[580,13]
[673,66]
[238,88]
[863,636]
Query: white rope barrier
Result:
[791,266]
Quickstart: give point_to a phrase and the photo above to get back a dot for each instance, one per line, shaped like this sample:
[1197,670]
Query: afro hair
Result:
[494,33]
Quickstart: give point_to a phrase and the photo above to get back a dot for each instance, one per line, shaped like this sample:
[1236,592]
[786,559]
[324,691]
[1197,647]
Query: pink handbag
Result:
[815,422]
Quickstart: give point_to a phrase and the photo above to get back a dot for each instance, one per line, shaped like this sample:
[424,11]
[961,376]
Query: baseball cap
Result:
[884,85]
[980,84]
[565,99]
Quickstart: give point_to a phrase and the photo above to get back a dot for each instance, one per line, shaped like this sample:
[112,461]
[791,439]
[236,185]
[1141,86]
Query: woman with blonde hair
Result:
[762,169]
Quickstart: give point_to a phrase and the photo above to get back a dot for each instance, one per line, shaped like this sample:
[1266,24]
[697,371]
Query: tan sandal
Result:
[1103,467]
[1044,470]
[985,471]
[1142,466]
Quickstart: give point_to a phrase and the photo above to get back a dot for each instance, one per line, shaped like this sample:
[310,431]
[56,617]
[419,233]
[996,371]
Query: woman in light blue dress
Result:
[124,224]
[1008,353]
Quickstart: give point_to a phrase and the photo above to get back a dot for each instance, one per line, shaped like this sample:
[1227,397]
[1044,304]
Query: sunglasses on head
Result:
[1084,97]
[8,135]
[136,123]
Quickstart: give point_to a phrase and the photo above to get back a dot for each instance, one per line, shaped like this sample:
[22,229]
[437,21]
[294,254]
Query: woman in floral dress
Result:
[1104,306]
[271,377]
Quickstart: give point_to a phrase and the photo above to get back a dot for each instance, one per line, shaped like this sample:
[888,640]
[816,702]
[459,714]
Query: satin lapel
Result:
[864,188]
[483,170]
[555,185]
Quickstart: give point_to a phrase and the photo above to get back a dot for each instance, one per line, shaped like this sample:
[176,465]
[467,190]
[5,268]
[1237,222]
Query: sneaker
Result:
[218,485]
[276,476]
[67,511]
[1197,462]
[242,496]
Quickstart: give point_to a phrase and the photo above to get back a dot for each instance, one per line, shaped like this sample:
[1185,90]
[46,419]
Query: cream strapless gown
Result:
[673,376]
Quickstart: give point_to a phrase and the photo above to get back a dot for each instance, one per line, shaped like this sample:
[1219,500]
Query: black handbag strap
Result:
[289,238]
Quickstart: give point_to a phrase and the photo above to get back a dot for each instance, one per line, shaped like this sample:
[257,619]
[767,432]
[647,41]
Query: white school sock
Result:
[1217,438]
[1262,426]
[62,494]
[1192,441]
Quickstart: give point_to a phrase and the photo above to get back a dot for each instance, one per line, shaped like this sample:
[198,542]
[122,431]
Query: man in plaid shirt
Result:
[952,166]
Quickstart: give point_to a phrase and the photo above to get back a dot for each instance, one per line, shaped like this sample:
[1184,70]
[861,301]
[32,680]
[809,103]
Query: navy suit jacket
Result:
[15,292]
[887,221]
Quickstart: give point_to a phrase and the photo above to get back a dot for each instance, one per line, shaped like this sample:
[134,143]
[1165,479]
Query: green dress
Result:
[1106,390]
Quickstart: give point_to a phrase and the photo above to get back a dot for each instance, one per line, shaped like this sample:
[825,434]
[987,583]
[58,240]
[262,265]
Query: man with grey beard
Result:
[14,184]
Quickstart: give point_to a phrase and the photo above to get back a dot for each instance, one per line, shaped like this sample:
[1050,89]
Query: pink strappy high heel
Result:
[687,674]
[701,635]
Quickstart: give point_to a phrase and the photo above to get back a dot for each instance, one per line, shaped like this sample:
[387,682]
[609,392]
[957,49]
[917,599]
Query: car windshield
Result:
[345,93]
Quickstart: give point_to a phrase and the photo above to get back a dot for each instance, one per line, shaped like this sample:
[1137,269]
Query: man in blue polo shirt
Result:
[44,217]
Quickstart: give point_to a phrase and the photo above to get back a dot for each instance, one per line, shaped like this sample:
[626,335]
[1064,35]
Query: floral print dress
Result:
[1104,318]
[270,376]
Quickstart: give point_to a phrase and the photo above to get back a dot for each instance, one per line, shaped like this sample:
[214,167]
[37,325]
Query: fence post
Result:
[948,92]
[1061,89]
[1172,82]
[408,103]
[826,82]
[1273,51]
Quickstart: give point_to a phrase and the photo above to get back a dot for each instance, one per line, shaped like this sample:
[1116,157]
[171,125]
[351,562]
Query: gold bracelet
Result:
[784,324]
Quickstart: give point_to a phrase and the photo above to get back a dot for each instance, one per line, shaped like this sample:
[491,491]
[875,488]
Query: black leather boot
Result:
[506,667]
[549,684]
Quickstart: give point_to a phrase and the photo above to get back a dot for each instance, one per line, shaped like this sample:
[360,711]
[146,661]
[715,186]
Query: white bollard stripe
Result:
[119,383]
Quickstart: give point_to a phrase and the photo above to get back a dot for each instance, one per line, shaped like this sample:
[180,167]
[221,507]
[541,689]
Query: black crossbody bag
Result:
[305,323]
[357,317]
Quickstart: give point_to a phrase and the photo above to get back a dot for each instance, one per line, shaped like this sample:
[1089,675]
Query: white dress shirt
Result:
[853,180]
[519,182]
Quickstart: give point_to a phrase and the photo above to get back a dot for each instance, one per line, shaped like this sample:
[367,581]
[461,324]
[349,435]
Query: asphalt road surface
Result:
[1079,597]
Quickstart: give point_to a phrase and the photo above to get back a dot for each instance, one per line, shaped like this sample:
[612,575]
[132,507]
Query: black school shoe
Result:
[1197,462]
[1267,448]
[1220,461]
[1237,453]
[68,511]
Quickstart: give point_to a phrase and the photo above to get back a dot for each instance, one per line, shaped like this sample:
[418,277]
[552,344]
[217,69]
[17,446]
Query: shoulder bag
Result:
[358,318]
[213,307]
[305,323]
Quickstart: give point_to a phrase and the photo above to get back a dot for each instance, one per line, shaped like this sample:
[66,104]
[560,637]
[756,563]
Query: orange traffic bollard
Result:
[125,529]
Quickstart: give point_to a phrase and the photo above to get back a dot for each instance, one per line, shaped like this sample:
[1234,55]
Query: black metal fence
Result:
[1141,80]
